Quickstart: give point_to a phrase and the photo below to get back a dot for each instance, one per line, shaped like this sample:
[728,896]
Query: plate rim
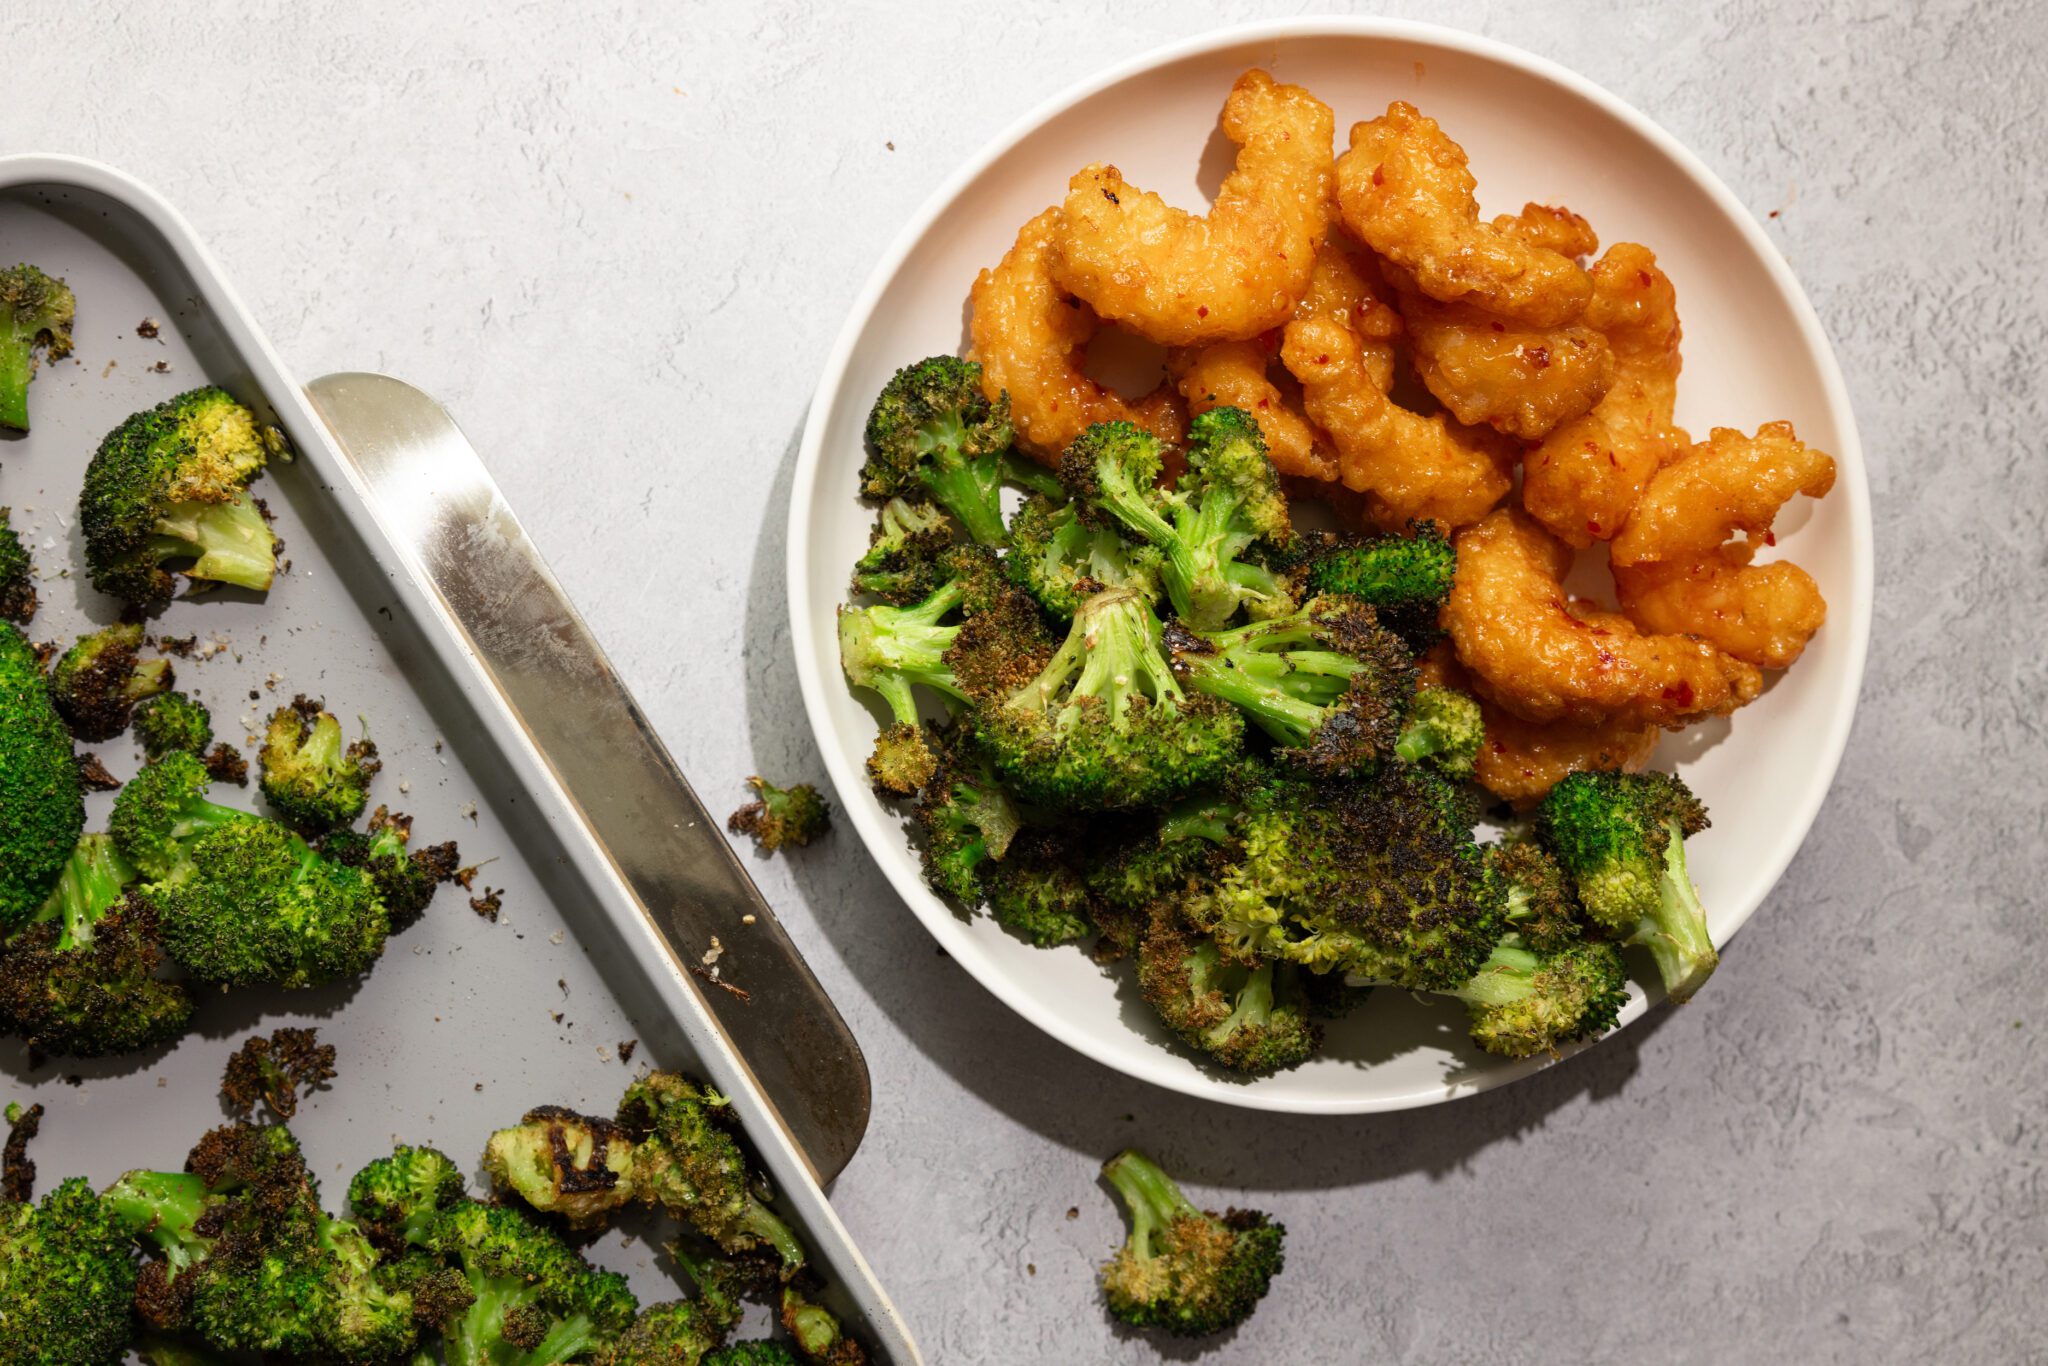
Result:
[939,920]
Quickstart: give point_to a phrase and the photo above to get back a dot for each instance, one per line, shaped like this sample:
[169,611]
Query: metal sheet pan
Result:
[465,1023]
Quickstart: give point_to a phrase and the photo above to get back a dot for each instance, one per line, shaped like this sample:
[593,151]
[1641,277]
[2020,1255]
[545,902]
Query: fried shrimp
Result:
[1405,191]
[1727,483]
[1182,280]
[1585,478]
[1489,369]
[1346,287]
[1030,337]
[1551,228]
[1412,466]
[1532,654]
[1761,613]
[1239,375]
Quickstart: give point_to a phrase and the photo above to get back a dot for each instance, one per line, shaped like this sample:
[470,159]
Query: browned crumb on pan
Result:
[275,1071]
[489,904]
[93,775]
[226,765]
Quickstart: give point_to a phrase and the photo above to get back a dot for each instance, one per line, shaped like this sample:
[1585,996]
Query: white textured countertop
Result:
[618,244]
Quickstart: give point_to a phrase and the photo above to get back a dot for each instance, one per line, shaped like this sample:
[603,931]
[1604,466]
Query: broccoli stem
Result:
[763,1223]
[1289,719]
[1032,478]
[1419,740]
[1254,1007]
[1113,647]
[231,541]
[1151,1196]
[163,1207]
[968,491]
[93,879]
[1676,933]
[17,364]
[1508,978]
[1205,818]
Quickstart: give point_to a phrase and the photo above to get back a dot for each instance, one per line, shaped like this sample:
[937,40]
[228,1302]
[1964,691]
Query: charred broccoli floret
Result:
[273,1071]
[1620,837]
[933,432]
[81,979]
[1059,559]
[42,809]
[577,1166]
[758,1352]
[1251,1018]
[902,560]
[1444,728]
[817,1332]
[673,1333]
[1405,578]
[1105,725]
[1537,898]
[405,881]
[1226,507]
[1326,681]
[781,815]
[98,681]
[66,1280]
[534,1299]
[1523,1002]
[966,820]
[394,1198]
[315,778]
[1188,845]
[167,492]
[171,722]
[1182,1270]
[36,311]
[1039,890]
[17,580]
[162,811]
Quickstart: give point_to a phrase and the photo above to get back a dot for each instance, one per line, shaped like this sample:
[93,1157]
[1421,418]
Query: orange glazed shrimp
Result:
[1727,483]
[1183,280]
[1236,375]
[1405,191]
[1760,613]
[1346,287]
[1030,337]
[1491,370]
[1531,654]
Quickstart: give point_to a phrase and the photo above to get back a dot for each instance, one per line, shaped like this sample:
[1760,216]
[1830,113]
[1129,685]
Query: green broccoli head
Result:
[315,778]
[965,820]
[535,1300]
[1443,726]
[162,811]
[1540,904]
[66,1279]
[405,879]
[1059,559]
[259,906]
[759,1352]
[1406,578]
[817,1332]
[673,1333]
[901,564]
[1039,891]
[98,681]
[1523,1002]
[17,577]
[781,815]
[172,722]
[42,808]
[1105,725]
[934,433]
[577,1166]
[1165,860]
[167,492]
[1620,838]
[36,311]
[1249,1017]
[1187,1272]
[394,1198]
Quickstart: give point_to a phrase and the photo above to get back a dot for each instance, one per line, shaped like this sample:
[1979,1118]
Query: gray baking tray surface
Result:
[465,1023]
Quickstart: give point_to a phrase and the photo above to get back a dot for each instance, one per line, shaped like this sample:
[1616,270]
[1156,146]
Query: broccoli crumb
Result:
[274,1071]
[489,904]
[93,775]
[225,764]
[626,1048]
[779,816]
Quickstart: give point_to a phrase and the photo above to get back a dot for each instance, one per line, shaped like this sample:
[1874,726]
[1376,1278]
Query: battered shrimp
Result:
[1411,465]
[1553,228]
[1182,280]
[1237,375]
[1489,369]
[1727,483]
[1404,190]
[1346,286]
[1761,613]
[1585,478]
[1030,335]
[1531,654]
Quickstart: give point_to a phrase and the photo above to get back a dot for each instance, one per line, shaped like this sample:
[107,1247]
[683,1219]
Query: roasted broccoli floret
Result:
[42,809]
[1105,724]
[577,1166]
[315,778]
[1523,1002]
[1251,1018]
[17,583]
[933,432]
[1182,1270]
[273,1071]
[98,681]
[1189,844]
[80,980]
[817,1332]
[1039,889]
[1620,837]
[902,560]
[394,1198]
[66,1280]
[168,490]
[405,881]
[1226,507]
[170,723]
[1443,727]
[890,649]
[1405,578]
[966,820]
[160,813]
[759,1352]
[1327,682]
[535,1300]
[1539,904]
[673,1333]
[781,815]
[36,311]
[1060,559]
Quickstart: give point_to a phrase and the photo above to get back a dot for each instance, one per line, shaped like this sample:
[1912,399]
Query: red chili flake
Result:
[1539,356]
[1499,748]
[1201,310]
[1681,693]
[1323,359]
[1263,402]
[1498,327]
[1606,659]
[1644,276]
[1592,527]
[1770,538]
[1378,175]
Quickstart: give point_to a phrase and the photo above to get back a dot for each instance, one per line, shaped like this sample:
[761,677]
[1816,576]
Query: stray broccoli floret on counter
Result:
[314,778]
[932,432]
[17,1168]
[1105,724]
[67,1278]
[36,312]
[170,723]
[98,681]
[1327,682]
[225,764]
[1250,1017]
[17,582]
[560,1162]
[42,809]
[901,563]
[779,816]
[1226,507]
[1181,1270]
[1620,838]
[81,979]
[405,881]
[167,492]
[273,1071]
[1060,559]
[1443,727]
[1405,578]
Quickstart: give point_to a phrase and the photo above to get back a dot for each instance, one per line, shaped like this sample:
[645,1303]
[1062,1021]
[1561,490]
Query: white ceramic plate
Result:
[1753,352]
